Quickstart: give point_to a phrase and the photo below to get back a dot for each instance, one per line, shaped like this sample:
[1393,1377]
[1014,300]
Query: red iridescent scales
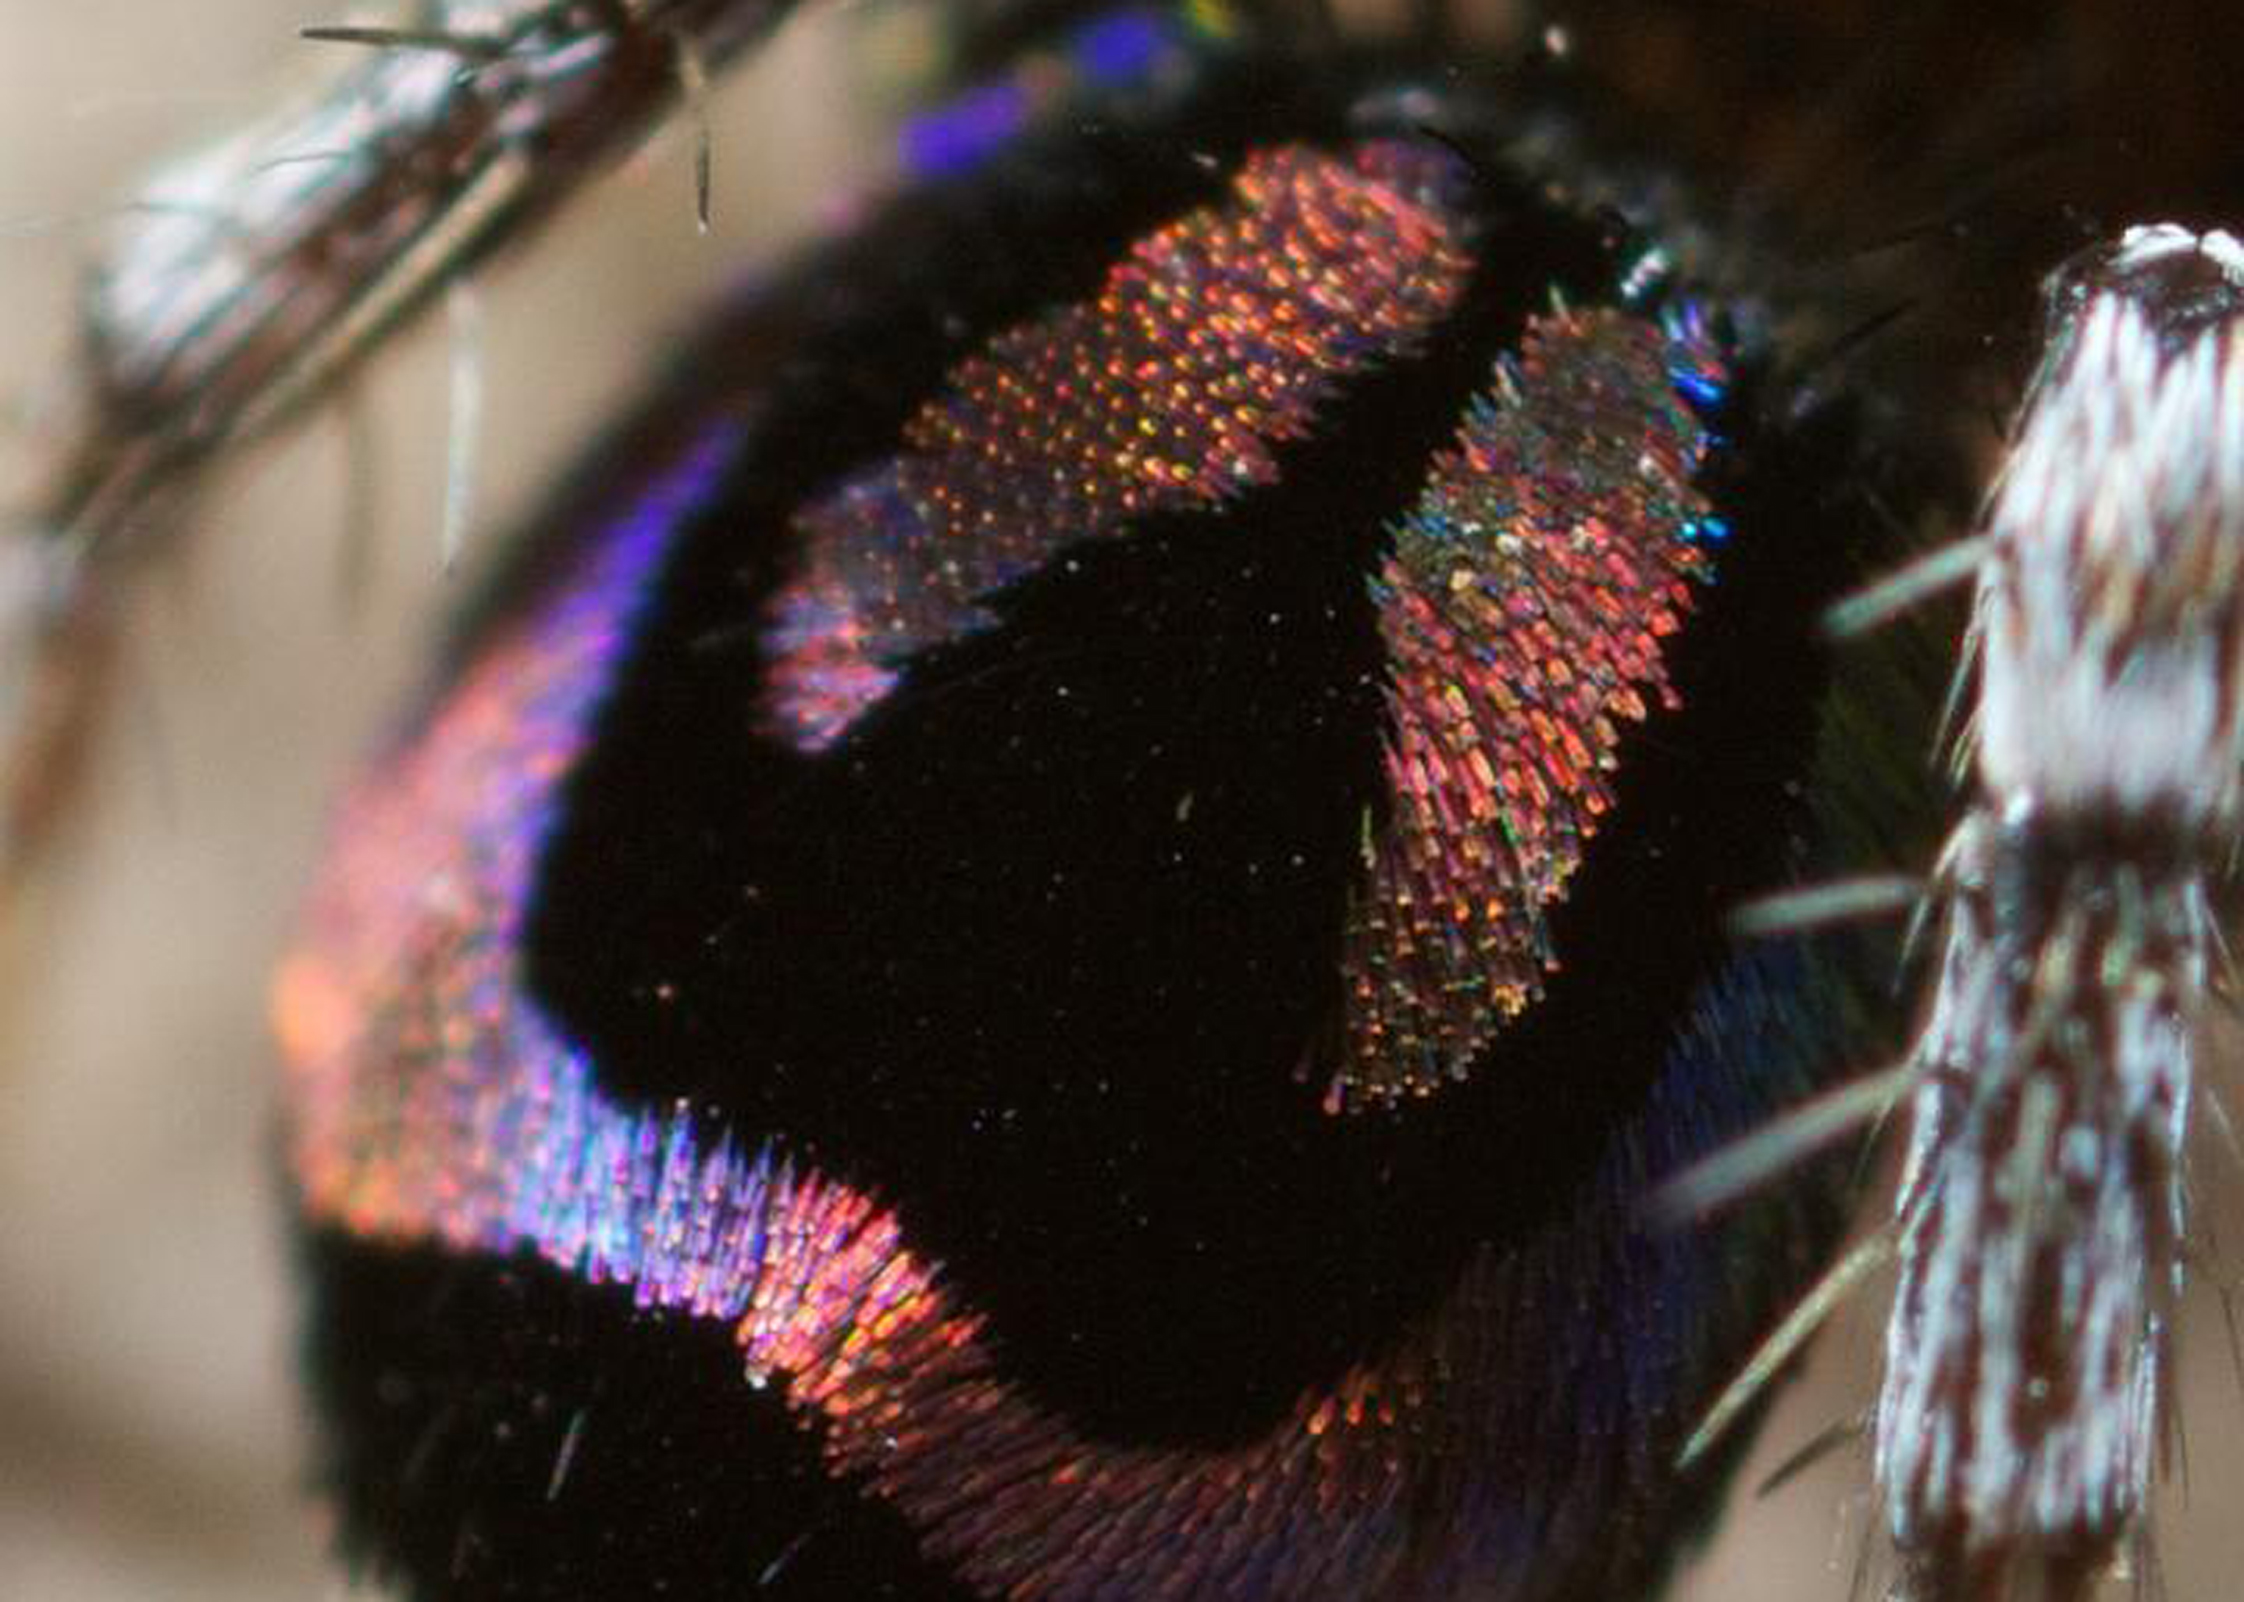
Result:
[1213,341]
[1522,610]
[1522,607]
[431,1100]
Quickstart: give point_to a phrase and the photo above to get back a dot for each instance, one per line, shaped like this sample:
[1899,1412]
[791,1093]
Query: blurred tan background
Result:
[150,1439]
[151,1444]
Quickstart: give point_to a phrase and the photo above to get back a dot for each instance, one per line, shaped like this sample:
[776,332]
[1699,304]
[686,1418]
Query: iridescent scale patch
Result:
[959,880]
[1216,340]
[1523,610]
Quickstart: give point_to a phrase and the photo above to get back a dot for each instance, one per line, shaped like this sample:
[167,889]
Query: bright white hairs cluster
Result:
[2109,655]
[2040,1216]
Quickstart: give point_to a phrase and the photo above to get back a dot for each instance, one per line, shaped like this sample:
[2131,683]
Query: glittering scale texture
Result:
[1212,342]
[1523,609]
[430,1100]
[401,1008]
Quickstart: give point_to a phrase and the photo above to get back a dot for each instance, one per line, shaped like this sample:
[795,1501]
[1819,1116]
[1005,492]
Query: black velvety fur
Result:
[1083,1101]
